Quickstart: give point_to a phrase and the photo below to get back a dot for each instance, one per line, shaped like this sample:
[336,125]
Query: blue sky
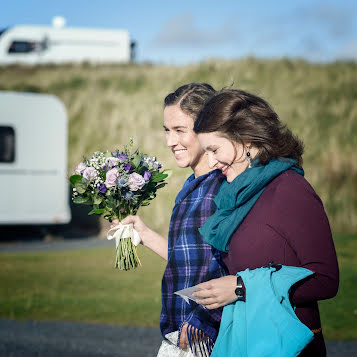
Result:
[181,32]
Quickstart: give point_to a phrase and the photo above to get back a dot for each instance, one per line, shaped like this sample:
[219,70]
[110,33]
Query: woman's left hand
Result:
[217,292]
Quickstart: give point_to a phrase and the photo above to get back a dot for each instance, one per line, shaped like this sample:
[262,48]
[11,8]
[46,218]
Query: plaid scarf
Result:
[190,260]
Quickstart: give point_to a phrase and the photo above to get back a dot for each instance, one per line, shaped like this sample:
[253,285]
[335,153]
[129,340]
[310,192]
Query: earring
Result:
[249,159]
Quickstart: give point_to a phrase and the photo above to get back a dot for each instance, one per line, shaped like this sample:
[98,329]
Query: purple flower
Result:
[122,157]
[147,175]
[127,167]
[157,165]
[101,188]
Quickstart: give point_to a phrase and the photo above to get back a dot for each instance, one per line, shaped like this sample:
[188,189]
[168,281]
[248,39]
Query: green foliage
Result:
[75,179]
[22,87]
[74,83]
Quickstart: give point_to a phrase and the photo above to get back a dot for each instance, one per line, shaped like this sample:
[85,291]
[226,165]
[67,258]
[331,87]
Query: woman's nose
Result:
[171,139]
[211,160]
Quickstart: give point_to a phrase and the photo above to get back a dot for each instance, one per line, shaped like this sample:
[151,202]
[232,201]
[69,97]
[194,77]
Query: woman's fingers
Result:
[115,222]
[128,220]
[207,298]
[203,294]
[206,285]
[207,301]
[210,303]
[183,337]
[213,306]
[217,292]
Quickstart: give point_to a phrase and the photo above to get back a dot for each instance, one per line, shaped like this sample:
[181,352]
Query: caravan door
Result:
[33,159]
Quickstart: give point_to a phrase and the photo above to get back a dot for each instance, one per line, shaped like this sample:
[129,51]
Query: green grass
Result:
[82,285]
[339,315]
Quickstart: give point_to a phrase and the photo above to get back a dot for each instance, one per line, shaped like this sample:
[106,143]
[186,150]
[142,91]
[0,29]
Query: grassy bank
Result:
[107,104]
[83,286]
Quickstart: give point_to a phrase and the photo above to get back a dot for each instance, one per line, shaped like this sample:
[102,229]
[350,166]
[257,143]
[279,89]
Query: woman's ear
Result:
[248,145]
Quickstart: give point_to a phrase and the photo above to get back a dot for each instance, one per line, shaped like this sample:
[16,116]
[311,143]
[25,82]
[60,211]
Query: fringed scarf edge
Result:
[198,341]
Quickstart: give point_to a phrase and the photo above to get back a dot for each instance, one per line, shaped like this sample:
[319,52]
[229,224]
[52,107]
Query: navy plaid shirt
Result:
[190,260]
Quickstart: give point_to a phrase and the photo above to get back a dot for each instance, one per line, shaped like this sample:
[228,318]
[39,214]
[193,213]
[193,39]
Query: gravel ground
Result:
[75,339]
[53,244]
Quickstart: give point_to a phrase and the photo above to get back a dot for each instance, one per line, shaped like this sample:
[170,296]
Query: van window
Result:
[22,47]
[7,144]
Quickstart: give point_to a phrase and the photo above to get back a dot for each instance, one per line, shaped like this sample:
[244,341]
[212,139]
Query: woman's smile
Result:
[225,169]
[179,152]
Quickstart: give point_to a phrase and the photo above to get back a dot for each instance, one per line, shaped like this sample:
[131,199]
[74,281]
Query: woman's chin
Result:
[182,164]
[230,177]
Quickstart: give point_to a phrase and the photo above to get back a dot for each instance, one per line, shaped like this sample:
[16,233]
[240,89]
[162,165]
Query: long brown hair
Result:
[190,97]
[243,117]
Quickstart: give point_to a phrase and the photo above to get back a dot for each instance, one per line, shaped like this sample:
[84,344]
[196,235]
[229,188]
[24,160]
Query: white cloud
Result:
[182,31]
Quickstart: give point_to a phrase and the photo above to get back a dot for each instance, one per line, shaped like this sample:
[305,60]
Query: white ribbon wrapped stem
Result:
[124,231]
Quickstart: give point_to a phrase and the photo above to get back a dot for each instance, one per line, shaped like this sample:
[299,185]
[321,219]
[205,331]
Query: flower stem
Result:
[127,256]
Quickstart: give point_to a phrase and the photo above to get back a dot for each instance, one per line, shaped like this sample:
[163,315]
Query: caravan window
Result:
[7,144]
[22,47]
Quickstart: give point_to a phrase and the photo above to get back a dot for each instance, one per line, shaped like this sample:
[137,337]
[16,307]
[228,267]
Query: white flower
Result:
[111,178]
[80,168]
[136,181]
[112,161]
[90,173]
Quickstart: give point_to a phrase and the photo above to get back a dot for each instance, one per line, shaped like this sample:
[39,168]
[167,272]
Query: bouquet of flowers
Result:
[116,184]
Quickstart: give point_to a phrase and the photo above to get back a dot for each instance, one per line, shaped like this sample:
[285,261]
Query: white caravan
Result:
[34,186]
[57,45]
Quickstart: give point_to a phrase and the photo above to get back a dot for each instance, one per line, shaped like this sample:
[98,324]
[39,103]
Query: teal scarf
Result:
[235,200]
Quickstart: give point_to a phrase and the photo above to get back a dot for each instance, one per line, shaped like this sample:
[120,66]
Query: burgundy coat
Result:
[288,225]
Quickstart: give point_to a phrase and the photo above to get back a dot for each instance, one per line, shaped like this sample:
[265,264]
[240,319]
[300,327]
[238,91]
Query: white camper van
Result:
[58,44]
[34,186]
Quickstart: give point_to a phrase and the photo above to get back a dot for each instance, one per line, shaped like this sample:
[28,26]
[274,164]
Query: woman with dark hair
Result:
[268,217]
[189,259]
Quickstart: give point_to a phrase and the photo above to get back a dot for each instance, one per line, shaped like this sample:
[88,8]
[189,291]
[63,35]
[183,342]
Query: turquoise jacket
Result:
[265,323]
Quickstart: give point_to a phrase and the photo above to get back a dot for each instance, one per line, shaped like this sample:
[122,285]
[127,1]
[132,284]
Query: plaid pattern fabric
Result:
[190,260]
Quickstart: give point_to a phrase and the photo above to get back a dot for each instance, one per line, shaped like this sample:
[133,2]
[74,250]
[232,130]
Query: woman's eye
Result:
[214,151]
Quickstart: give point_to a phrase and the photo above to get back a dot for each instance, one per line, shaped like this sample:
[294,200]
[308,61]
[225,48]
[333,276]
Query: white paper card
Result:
[186,294]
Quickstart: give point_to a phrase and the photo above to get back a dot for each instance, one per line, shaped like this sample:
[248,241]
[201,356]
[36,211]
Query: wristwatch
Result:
[239,289]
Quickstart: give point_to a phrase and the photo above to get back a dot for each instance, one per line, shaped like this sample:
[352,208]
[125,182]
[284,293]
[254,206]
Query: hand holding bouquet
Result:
[116,184]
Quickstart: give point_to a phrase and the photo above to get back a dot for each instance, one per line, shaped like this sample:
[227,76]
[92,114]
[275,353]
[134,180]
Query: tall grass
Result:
[107,104]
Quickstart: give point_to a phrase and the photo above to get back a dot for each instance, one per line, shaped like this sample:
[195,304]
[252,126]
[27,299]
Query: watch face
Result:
[239,292]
